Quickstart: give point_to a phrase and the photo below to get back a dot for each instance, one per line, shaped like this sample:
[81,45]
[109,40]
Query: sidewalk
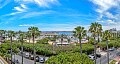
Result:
[101,52]
[3,61]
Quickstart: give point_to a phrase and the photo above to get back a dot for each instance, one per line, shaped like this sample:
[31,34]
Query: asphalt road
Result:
[112,55]
[25,61]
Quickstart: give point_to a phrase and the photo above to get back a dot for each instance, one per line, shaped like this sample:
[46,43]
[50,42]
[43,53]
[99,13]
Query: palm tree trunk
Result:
[34,49]
[107,52]
[61,41]
[29,39]
[98,38]
[88,38]
[95,50]
[22,48]
[11,48]
[80,46]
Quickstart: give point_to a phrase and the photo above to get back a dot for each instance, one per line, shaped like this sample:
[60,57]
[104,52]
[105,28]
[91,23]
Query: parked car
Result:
[98,55]
[31,57]
[111,49]
[91,57]
[37,58]
[26,55]
[41,59]
[15,62]
[118,54]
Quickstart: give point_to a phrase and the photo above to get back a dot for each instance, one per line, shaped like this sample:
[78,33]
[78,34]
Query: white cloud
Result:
[4,3]
[111,22]
[26,25]
[109,15]
[104,5]
[107,27]
[33,14]
[21,8]
[56,27]
[106,17]
[24,6]
[41,3]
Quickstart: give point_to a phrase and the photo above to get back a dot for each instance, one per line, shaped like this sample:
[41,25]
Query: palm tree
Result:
[79,32]
[11,34]
[28,35]
[68,39]
[34,32]
[107,36]
[99,32]
[2,32]
[21,37]
[95,29]
[55,37]
[62,37]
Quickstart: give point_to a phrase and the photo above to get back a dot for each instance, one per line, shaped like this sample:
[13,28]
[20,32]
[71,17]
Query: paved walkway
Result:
[2,61]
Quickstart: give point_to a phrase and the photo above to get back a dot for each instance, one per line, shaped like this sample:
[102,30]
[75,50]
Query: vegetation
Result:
[80,33]
[113,62]
[112,43]
[34,31]
[46,49]
[96,30]
[69,54]
[43,41]
[69,58]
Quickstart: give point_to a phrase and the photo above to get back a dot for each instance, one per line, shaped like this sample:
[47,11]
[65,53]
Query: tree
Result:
[28,35]
[107,36]
[69,58]
[99,32]
[34,31]
[2,32]
[68,39]
[21,37]
[95,29]
[61,37]
[79,32]
[11,34]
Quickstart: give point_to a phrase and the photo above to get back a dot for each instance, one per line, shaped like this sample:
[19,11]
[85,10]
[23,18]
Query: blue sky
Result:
[58,15]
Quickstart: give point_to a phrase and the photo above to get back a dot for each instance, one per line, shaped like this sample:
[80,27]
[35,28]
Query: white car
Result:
[27,55]
[91,57]
[41,59]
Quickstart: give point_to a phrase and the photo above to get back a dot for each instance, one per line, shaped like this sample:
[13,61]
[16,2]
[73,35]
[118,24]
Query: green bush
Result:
[46,49]
[69,58]
[111,43]
[43,41]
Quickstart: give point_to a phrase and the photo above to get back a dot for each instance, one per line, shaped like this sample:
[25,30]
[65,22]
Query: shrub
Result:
[69,58]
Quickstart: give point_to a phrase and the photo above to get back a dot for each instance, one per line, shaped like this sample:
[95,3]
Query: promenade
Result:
[2,61]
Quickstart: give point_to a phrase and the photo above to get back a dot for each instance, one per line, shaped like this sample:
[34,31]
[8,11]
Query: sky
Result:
[58,15]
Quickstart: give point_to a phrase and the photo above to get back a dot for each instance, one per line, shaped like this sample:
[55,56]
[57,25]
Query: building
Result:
[2,39]
[45,34]
[67,38]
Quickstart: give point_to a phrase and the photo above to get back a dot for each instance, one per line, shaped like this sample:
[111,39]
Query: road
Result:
[112,55]
[25,61]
